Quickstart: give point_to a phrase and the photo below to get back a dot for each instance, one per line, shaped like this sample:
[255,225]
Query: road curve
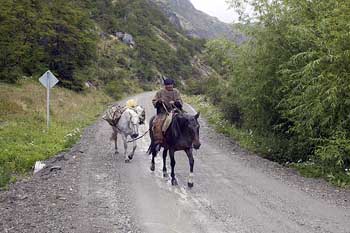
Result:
[234,191]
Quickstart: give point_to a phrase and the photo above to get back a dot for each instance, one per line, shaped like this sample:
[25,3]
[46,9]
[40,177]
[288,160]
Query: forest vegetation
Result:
[70,39]
[288,84]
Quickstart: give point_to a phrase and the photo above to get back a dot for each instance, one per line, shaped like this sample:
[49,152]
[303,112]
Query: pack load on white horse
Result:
[113,114]
[125,120]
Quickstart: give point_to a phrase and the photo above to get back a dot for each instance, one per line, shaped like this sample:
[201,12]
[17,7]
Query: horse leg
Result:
[115,138]
[151,147]
[116,144]
[125,148]
[172,163]
[153,166]
[191,161]
[133,150]
[165,173]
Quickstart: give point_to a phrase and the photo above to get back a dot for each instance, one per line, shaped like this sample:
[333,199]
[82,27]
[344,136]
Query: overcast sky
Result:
[217,8]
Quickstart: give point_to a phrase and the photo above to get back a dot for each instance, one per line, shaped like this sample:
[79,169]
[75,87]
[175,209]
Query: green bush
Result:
[118,89]
[115,89]
[335,152]
[40,35]
[289,81]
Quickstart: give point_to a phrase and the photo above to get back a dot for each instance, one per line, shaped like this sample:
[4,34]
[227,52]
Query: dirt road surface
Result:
[89,189]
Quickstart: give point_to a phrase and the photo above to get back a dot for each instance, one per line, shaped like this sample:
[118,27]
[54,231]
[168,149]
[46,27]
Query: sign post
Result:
[48,80]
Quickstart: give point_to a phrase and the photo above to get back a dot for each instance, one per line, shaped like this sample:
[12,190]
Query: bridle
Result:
[135,139]
[131,123]
[140,122]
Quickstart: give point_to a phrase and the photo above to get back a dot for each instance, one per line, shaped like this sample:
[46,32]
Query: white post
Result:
[48,100]
[48,80]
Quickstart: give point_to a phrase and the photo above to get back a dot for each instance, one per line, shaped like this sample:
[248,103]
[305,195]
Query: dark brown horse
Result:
[182,134]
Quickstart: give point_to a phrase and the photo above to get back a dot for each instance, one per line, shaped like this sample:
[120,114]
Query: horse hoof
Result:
[174,182]
[190,185]
[165,175]
[130,157]
[152,167]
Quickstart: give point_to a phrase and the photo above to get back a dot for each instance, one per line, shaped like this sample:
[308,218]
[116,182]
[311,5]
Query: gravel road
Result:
[89,189]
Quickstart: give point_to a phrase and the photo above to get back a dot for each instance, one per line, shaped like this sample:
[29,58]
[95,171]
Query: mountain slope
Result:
[195,23]
[78,41]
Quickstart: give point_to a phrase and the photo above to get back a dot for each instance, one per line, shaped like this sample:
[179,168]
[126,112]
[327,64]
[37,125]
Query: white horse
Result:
[128,126]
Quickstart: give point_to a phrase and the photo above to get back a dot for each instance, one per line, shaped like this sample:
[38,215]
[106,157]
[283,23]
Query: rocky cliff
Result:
[195,23]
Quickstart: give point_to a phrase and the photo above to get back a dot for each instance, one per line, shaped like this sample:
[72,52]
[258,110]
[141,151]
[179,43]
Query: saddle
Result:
[161,124]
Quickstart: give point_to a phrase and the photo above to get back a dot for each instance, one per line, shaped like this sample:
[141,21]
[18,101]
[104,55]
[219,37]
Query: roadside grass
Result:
[24,138]
[313,170]
[215,118]
[261,145]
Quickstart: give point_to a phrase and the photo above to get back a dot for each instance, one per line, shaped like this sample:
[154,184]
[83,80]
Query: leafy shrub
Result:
[40,35]
[116,89]
[289,82]
[335,152]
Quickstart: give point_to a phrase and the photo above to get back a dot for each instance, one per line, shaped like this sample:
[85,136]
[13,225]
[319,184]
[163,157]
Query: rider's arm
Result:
[156,98]
[178,98]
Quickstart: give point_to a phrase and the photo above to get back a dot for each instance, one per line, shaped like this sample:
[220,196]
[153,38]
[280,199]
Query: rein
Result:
[165,108]
[135,139]
[174,106]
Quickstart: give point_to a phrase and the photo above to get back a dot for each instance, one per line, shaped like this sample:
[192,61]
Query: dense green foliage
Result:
[39,35]
[290,80]
[65,37]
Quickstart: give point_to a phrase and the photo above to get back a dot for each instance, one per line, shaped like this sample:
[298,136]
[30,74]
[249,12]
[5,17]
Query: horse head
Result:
[187,126]
[134,121]
[141,113]
[194,126]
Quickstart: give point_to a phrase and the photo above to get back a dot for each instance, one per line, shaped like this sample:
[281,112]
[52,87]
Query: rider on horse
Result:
[168,102]
[168,97]
[173,130]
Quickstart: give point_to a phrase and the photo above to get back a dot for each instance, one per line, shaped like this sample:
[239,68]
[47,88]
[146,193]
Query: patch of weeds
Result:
[71,138]
[5,176]
[314,170]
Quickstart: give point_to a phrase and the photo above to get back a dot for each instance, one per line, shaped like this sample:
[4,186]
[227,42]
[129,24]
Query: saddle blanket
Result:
[161,124]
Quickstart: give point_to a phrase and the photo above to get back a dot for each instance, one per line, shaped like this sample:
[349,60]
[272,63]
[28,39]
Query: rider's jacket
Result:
[167,96]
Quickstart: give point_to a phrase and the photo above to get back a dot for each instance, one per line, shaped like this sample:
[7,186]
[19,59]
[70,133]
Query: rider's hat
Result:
[169,81]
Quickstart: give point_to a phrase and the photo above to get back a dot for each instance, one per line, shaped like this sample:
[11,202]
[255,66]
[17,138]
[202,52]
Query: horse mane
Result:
[176,125]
